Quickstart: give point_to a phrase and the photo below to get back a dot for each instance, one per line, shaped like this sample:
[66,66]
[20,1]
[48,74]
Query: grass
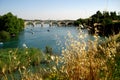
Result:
[18,59]
[80,60]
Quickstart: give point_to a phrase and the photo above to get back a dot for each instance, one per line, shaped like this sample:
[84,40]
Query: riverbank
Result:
[97,62]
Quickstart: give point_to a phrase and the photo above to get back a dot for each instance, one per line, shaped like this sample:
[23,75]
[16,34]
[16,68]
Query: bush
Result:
[4,36]
[48,50]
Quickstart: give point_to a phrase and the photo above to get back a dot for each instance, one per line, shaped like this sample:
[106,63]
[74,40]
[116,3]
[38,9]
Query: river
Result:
[40,37]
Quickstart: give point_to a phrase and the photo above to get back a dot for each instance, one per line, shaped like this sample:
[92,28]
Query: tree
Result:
[113,15]
[76,23]
[11,24]
[106,14]
[80,21]
[96,18]
[99,16]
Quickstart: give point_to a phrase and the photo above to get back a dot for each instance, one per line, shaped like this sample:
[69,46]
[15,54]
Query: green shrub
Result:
[18,59]
[48,50]
[4,36]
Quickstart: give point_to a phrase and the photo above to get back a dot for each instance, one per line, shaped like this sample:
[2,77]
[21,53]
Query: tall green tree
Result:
[106,14]
[11,24]
[113,15]
[96,18]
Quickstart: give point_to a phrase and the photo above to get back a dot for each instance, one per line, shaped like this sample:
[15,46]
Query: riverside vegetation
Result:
[106,23]
[10,26]
[80,60]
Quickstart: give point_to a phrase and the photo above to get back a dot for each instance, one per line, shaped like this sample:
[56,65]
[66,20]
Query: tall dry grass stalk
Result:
[88,60]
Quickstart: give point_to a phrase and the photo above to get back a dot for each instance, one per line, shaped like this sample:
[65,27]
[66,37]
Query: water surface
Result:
[40,37]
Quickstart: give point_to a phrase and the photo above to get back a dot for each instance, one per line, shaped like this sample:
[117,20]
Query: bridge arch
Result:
[29,23]
[50,22]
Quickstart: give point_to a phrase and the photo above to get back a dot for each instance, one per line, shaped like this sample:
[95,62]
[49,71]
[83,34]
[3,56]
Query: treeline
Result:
[10,26]
[106,23]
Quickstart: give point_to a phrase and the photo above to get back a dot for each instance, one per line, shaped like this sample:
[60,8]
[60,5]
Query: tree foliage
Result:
[11,24]
[107,23]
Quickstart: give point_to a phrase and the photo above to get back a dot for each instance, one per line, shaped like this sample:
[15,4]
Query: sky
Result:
[57,9]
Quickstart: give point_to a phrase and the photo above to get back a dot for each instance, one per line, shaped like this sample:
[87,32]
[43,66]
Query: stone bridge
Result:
[50,22]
